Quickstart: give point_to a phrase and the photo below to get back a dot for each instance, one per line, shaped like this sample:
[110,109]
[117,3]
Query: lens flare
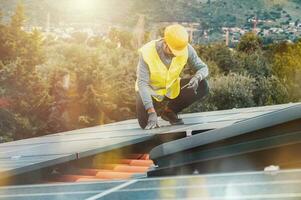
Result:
[84,5]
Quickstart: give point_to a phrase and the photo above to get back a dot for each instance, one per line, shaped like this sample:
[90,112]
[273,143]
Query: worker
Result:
[158,78]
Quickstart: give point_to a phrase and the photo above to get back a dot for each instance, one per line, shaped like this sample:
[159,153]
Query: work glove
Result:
[152,121]
[194,82]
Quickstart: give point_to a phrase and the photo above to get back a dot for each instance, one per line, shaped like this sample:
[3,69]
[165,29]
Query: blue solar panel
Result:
[244,126]
[31,154]
[285,185]
[228,186]
[56,191]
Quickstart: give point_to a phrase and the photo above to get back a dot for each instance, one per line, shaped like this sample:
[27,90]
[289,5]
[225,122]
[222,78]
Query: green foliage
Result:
[18,19]
[270,91]
[7,125]
[213,68]
[275,15]
[221,55]
[227,92]
[99,74]
[254,63]
[253,82]
[124,38]
[287,66]
[249,43]
[29,100]
[237,91]
[15,43]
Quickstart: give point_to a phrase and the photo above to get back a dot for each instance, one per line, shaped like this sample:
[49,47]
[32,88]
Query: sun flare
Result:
[84,5]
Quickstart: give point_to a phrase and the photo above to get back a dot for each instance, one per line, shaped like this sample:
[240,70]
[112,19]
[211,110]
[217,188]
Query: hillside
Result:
[211,13]
[277,19]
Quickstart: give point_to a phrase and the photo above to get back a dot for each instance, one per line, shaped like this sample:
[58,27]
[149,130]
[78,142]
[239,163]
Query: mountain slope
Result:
[210,13]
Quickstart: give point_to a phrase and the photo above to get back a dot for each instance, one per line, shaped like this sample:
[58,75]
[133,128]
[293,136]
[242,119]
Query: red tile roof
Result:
[125,168]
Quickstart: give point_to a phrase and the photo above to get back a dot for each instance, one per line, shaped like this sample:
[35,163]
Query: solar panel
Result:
[246,145]
[43,153]
[244,126]
[26,155]
[284,185]
[211,117]
[218,113]
[225,186]
[59,188]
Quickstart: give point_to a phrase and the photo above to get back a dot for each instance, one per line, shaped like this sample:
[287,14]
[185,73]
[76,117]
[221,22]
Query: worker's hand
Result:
[152,121]
[194,83]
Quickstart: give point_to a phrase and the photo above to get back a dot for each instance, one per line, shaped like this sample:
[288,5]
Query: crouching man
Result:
[158,77]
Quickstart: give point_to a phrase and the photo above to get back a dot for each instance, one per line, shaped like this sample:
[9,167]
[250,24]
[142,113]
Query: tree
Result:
[30,101]
[20,81]
[18,18]
[227,92]
[20,44]
[249,43]
[256,63]
[7,125]
[221,55]
[270,91]
[124,38]
[287,66]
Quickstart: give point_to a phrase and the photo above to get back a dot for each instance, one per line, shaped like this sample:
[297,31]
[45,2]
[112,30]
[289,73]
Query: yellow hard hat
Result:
[176,37]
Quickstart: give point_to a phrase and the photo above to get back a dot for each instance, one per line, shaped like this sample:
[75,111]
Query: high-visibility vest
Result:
[163,81]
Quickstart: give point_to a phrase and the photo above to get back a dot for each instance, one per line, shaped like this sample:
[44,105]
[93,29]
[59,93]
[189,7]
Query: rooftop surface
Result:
[199,130]
[26,155]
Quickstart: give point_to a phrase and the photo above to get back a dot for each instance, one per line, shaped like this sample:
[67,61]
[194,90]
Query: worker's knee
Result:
[140,111]
[203,89]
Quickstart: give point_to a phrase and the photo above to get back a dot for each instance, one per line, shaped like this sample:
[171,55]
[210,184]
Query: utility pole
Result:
[255,22]
[191,33]
[227,37]
[139,30]
[191,30]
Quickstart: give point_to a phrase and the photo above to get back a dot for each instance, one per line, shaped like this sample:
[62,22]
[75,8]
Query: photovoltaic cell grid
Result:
[30,154]
[284,185]
[242,127]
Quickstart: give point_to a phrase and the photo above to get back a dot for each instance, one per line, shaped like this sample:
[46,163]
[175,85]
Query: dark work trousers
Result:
[186,97]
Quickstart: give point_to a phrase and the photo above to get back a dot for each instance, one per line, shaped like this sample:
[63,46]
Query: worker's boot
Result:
[172,117]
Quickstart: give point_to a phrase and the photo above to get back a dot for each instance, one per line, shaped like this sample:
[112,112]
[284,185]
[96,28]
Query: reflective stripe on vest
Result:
[163,81]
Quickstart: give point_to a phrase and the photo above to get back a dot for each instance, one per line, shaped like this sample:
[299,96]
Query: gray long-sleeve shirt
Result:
[143,73]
